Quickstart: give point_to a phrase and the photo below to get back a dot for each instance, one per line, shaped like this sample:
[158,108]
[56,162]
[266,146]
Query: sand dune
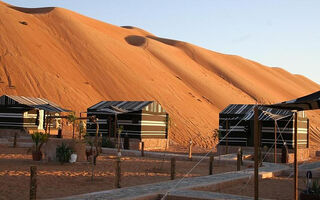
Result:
[77,61]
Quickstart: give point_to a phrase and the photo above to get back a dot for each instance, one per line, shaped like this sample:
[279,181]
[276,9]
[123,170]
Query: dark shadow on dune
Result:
[127,27]
[135,40]
[32,10]
[164,40]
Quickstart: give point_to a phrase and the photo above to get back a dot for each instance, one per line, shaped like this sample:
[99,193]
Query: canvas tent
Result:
[19,112]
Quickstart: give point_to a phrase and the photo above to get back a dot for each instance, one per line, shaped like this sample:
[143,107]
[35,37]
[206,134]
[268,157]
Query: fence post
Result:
[15,140]
[190,150]
[211,165]
[142,149]
[238,159]
[117,173]
[33,182]
[173,168]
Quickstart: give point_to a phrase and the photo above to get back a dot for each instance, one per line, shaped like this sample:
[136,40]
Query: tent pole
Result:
[256,152]
[275,141]
[295,155]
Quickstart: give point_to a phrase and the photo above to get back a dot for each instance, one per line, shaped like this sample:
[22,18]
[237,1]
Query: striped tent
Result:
[19,112]
[139,119]
[238,120]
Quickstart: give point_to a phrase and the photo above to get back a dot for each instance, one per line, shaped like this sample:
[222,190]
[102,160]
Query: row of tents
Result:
[138,119]
[148,119]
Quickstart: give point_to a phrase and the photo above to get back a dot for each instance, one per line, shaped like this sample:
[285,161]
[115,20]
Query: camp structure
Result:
[141,121]
[26,113]
[238,120]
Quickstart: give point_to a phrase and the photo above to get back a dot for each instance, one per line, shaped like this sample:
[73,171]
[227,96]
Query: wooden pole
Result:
[275,141]
[211,165]
[190,150]
[33,182]
[227,130]
[239,160]
[173,168]
[115,129]
[117,173]
[256,153]
[142,149]
[295,155]
[15,140]
[72,130]
[109,127]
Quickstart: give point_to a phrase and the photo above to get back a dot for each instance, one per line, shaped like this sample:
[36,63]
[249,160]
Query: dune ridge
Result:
[77,61]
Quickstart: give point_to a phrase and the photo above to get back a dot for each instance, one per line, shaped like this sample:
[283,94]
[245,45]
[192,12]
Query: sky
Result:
[275,33]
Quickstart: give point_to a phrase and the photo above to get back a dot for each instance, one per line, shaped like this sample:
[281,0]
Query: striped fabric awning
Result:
[245,112]
[308,102]
[118,107]
[38,103]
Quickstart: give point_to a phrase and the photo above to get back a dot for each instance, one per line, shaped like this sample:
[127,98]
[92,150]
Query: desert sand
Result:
[77,61]
[55,180]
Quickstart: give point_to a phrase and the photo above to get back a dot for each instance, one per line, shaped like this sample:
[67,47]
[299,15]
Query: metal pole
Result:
[275,141]
[295,155]
[227,127]
[256,152]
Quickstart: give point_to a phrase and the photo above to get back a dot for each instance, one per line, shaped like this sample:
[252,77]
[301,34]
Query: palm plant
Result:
[39,139]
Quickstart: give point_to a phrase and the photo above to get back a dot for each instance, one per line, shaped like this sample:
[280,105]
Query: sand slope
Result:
[77,61]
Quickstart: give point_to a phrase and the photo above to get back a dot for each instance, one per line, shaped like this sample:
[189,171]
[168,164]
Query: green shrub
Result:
[63,153]
[108,143]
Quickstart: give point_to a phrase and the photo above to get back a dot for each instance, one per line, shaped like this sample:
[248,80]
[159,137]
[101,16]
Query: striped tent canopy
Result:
[38,103]
[308,102]
[117,107]
[245,112]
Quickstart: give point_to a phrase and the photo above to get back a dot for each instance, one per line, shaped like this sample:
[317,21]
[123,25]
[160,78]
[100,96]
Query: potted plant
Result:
[311,193]
[39,139]
[63,153]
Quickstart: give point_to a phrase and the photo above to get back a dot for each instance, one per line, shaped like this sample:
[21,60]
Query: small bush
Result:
[63,153]
[108,143]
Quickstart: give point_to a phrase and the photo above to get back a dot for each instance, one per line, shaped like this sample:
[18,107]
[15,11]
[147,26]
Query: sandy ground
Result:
[271,188]
[65,57]
[55,180]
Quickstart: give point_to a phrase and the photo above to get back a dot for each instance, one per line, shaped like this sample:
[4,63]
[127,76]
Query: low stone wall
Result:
[49,149]
[149,144]
[303,154]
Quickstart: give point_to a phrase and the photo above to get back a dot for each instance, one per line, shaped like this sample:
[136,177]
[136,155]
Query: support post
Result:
[227,130]
[275,142]
[142,149]
[190,150]
[117,173]
[173,168]
[15,140]
[33,182]
[295,155]
[256,153]
[211,165]
[239,160]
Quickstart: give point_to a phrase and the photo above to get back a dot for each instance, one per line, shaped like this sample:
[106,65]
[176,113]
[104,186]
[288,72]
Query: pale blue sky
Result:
[276,33]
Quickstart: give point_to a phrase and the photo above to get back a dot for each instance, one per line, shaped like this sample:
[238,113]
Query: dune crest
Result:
[77,61]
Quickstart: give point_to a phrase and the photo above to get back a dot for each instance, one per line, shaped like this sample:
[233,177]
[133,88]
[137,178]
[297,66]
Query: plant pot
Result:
[73,158]
[304,196]
[36,155]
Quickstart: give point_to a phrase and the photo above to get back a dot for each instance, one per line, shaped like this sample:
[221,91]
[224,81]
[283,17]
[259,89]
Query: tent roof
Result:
[308,102]
[245,111]
[32,102]
[119,106]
